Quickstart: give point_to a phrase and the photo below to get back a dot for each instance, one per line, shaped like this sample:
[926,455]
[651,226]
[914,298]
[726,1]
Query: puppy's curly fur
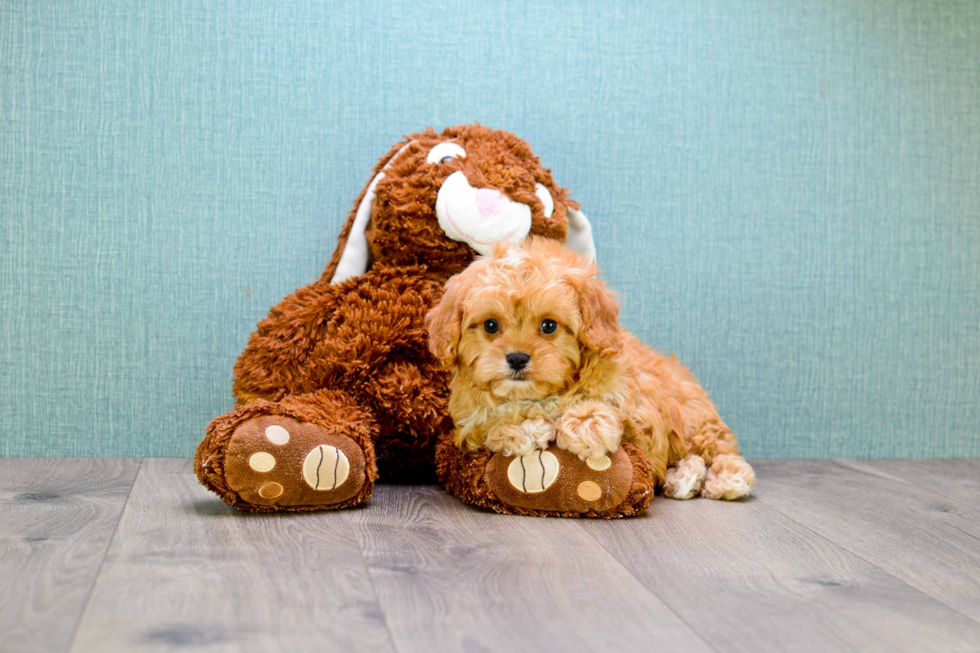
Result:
[538,354]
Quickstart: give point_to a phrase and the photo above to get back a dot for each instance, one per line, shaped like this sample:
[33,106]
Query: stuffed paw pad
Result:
[555,480]
[533,472]
[277,461]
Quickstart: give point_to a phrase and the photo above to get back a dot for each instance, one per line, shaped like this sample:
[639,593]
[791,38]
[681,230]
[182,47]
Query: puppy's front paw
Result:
[589,431]
[521,438]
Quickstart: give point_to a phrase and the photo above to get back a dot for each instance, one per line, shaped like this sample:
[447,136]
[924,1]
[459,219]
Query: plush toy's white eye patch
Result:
[444,152]
[545,196]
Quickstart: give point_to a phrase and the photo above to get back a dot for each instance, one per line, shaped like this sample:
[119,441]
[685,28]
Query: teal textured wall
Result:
[786,194]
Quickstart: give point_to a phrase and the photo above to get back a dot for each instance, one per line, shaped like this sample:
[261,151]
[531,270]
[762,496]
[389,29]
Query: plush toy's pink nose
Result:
[490,201]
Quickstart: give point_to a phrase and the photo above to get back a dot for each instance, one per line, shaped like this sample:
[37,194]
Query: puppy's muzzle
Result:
[518,360]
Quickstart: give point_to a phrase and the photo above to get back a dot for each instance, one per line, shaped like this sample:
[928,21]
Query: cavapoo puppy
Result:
[537,353]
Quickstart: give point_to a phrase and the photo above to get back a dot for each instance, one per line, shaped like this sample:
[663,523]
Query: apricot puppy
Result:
[537,353]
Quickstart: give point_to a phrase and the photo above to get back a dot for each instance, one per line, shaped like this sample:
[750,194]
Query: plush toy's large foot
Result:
[552,482]
[267,457]
[277,461]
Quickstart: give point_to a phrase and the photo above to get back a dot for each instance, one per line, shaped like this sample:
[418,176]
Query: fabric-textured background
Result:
[786,194]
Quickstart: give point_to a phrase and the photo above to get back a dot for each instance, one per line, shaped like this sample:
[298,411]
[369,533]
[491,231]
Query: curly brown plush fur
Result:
[351,357]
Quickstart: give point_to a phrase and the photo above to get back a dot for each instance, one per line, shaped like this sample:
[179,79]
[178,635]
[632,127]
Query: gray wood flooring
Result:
[133,555]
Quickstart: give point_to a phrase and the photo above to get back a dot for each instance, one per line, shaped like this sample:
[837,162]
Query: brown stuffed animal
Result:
[337,387]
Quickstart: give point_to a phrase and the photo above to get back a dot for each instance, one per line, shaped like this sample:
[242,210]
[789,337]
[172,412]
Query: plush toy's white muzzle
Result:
[480,217]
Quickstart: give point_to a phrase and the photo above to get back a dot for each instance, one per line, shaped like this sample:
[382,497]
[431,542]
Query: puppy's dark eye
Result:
[445,159]
[549,326]
[491,326]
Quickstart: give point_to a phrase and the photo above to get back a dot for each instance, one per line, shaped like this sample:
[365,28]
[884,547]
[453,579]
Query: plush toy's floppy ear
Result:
[579,238]
[352,255]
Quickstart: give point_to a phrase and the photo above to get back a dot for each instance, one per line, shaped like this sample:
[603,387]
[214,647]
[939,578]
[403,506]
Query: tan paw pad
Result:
[599,463]
[277,435]
[533,472]
[270,490]
[589,490]
[325,468]
[261,461]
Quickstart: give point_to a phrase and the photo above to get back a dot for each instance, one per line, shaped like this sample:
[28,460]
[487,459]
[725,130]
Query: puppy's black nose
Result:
[518,360]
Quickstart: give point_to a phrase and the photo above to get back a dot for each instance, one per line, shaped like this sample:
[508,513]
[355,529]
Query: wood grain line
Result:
[184,570]
[450,578]
[57,519]
[918,536]
[754,580]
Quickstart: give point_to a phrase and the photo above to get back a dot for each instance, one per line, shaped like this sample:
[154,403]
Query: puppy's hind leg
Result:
[728,475]
[684,479]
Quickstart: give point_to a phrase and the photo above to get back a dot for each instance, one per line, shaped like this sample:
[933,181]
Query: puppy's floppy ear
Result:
[600,330]
[444,322]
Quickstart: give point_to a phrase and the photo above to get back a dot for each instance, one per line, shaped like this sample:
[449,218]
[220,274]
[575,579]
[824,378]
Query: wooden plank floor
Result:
[130,555]
[57,517]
